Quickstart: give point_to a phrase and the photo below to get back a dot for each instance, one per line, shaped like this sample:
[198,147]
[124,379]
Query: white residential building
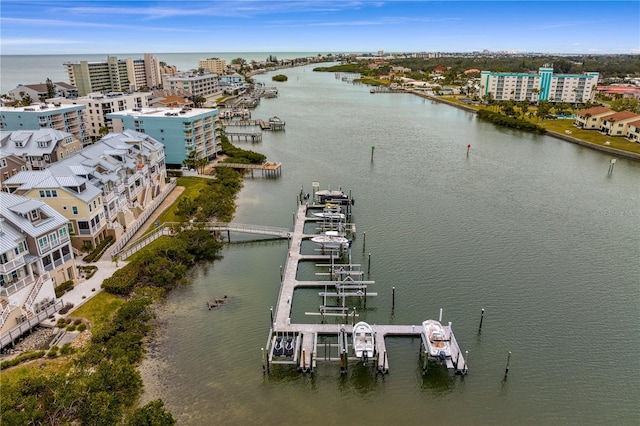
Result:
[98,105]
[205,84]
[114,75]
[543,86]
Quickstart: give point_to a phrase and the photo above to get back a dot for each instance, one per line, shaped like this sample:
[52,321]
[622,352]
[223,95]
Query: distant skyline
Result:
[110,26]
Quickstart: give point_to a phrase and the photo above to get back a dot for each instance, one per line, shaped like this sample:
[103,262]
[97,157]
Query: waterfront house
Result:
[591,118]
[634,131]
[39,92]
[618,124]
[35,257]
[102,189]
[39,148]
[10,165]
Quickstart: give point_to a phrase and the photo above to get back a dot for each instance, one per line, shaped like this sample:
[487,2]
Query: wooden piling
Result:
[481,318]
[369,264]
[506,370]
[393,297]
[271,312]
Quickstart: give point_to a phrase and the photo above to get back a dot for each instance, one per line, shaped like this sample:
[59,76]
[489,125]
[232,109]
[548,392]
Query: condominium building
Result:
[179,130]
[35,256]
[98,105]
[543,86]
[71,195]
[114,75]
[205,84]
[102,189]
[39,148]
[213,65]
[66,118]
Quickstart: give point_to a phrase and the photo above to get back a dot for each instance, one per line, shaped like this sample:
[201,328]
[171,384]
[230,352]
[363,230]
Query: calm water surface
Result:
[532,229]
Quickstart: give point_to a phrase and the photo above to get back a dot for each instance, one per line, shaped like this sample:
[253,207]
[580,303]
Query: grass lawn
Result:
[99,308]
[192,186]
[562,125]
[33,368]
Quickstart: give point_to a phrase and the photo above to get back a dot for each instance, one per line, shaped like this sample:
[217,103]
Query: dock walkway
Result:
[307,334]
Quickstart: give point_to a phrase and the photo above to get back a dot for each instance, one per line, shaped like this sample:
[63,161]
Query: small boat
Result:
[331,240]
[437,343]
[332,196]
[288,347]
[330,215]
[363,340]
[278,348]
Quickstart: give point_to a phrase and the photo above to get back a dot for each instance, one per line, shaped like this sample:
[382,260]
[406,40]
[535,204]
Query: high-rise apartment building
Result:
[114,75]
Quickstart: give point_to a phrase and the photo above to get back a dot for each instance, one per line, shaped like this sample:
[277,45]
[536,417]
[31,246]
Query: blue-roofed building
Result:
[180,130]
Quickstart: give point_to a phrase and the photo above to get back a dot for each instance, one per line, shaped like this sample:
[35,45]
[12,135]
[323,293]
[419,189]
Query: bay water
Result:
[532,229]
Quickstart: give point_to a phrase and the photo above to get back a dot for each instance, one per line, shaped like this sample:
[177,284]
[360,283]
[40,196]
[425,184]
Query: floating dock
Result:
[345,280]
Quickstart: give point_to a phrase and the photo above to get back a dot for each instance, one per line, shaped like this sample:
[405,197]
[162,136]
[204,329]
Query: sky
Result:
[106,26]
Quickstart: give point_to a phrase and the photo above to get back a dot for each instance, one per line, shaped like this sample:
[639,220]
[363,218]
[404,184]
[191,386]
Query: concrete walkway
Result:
[85,290]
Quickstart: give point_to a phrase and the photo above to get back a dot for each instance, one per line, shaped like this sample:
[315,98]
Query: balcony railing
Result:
[12,265]
[16,286]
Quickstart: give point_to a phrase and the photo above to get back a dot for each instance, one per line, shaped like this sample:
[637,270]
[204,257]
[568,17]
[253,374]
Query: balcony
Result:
[17,285]
[12,265]
[109,196]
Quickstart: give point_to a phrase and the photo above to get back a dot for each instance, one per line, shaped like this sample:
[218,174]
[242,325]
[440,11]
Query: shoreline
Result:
[609,150]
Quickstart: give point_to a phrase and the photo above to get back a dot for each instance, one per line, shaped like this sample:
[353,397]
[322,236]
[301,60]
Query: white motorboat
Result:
[331,240]
[363,340]
[437,342]
[329,215]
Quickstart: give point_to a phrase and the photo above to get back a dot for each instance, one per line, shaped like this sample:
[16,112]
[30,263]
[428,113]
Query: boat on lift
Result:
[438,345]
[363,340]
[333,196]
[332,240]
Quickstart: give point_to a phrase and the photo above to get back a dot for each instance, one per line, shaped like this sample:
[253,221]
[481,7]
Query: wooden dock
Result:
[342,284]
[267,169]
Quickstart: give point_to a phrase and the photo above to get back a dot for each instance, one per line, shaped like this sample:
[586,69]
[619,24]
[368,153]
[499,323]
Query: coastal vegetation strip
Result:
[99,383]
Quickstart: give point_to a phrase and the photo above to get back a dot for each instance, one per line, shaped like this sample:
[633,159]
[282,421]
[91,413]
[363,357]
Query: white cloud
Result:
[36,41]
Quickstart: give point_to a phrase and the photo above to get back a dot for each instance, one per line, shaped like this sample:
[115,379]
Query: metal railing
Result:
[13,334]
[142,219]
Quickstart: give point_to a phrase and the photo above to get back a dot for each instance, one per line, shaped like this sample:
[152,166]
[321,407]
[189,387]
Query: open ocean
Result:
[34,69]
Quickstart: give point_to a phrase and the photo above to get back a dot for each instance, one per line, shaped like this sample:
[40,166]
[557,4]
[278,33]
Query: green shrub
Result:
[99,250]
[71,327]
[66,349]
[26,356]
[63,288]
[82,327]
[122,281]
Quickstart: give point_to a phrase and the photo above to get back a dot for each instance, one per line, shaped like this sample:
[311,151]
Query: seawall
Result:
[607,149]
